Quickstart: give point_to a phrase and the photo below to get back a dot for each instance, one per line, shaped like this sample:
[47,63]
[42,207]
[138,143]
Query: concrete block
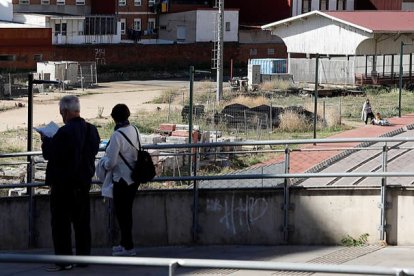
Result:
[176,140]
[152,139]
[186,127]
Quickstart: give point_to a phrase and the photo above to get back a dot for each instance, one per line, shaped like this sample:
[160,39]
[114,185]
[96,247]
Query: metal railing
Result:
[285,148]
[174,264]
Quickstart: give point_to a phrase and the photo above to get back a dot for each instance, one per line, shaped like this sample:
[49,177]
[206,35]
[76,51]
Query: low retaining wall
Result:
[316,216]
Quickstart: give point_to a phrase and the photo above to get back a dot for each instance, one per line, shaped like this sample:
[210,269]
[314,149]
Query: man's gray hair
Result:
[69,103]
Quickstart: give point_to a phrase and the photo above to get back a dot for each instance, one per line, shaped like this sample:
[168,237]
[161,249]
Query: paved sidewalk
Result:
[377,256]
[303,161]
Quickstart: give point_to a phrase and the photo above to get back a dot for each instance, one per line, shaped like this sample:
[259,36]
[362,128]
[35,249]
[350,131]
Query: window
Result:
[253,52]
[7,57]
[151,3]
[137,3]
[228,27]
[60,29]
[341,5]
[181,33]
[100,25]
[45,2]
[60,2]
[324,5]
[123,26]
[38,57]
[137,24]
[24,2]
[151,25]
[270,51]
[80,2]
[122,2]
[306,6]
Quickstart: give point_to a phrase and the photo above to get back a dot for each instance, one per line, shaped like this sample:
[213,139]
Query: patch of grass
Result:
[275,84]
[249,101]
[291,122]
[350,241]
[167,96]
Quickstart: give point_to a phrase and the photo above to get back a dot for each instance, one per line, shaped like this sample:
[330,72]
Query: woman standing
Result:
[118,153]
[367,112]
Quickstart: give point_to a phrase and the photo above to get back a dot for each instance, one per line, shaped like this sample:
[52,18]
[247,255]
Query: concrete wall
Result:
[206,29]
[170,23]
[6,10]
[331,71]
[198,26]
[316,216]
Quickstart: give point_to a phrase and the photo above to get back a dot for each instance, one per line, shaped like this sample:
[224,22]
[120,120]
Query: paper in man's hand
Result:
[48,130]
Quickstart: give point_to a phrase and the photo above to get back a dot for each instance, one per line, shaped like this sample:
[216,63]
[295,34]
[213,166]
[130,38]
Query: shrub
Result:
[167,96]
[275,84]
[250,101]
[292,122]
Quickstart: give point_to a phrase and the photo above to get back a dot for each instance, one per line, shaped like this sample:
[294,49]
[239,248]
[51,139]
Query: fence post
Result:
[286,200]
[195,195]
[29,172]
[383,202]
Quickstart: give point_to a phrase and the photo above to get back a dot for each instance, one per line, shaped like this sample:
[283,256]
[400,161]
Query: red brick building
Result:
[22,47]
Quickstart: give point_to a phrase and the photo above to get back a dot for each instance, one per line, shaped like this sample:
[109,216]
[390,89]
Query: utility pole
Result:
[220,45]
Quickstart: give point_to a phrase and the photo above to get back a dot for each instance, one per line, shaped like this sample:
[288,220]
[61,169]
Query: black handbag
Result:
[143,170]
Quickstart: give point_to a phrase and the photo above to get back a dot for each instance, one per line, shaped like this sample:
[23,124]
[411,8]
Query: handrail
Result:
[174,263]
[289,177]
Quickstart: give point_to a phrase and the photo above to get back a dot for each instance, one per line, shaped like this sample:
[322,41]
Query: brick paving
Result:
[302,160]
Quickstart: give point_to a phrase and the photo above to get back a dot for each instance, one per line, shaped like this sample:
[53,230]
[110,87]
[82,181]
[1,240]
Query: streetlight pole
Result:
[29,169]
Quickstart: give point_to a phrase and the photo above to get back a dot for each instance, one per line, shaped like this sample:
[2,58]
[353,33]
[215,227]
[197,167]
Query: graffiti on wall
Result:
[238,214]
[100,56]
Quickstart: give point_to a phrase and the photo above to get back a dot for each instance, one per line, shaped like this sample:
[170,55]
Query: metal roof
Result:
[369,21]
[379,21]
[346,33]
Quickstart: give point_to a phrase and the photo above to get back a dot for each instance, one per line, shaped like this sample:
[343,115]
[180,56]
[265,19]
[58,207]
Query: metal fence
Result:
[368,162]
[16,85]
[357,162]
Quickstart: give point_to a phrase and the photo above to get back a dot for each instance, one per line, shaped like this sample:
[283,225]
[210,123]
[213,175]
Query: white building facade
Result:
[6,10]
[198,26]
[73,29]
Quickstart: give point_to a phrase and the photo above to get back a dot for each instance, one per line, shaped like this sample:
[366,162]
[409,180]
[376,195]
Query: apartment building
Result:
[304,6]
[138,18]
[384,5]
[71,21]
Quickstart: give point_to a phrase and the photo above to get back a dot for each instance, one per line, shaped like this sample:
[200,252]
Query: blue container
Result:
[270,65]
[103,144]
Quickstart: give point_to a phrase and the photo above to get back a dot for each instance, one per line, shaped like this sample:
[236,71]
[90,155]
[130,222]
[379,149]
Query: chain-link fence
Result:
[69,75]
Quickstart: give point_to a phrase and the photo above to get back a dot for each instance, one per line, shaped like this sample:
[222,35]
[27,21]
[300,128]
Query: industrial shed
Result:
[355,47]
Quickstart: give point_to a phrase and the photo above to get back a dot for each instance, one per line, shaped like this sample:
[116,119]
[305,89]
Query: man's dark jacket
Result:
[71,155]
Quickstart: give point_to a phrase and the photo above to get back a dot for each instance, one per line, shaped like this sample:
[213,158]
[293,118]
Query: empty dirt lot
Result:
[136,94]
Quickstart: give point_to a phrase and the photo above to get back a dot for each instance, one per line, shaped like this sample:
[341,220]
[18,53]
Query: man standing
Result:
[71,166]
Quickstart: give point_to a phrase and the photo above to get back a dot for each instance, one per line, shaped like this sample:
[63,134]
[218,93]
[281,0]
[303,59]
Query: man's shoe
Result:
[125,252]
[55,268]
[117,248]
